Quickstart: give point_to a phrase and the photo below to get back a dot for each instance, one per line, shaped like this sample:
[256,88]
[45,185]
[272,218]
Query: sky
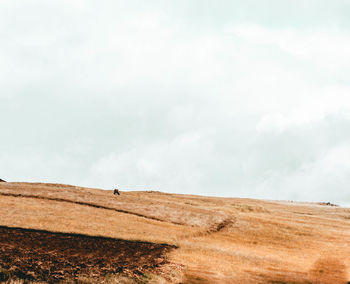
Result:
[222,98]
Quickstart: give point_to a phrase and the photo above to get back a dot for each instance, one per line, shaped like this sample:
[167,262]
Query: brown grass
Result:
[221,240]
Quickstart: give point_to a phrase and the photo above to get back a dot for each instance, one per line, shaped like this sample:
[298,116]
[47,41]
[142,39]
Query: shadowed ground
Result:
[47,256]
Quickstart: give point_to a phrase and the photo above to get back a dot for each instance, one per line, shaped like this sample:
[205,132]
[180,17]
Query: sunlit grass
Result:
[264,241]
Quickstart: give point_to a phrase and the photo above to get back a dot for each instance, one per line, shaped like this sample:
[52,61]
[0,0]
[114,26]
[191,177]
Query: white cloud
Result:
[325,179]
[168,166]
[318,103]
[326,48]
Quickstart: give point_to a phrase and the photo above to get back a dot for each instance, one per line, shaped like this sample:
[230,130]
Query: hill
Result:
[153,236]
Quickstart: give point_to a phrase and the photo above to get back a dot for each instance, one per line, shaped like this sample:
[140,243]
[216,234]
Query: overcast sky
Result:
[228,98]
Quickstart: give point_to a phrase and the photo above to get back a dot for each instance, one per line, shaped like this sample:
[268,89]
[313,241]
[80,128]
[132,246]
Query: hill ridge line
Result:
[87,204]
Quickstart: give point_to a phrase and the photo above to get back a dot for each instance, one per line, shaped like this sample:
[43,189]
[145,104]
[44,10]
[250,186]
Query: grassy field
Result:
[218,240]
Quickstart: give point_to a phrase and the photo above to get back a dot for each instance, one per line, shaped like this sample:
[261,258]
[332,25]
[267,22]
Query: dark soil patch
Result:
[51,257]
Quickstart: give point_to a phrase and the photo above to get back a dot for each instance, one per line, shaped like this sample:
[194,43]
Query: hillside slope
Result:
[218,240]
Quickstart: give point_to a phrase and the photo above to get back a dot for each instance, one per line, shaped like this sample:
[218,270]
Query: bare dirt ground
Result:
[218,240]
[51,257]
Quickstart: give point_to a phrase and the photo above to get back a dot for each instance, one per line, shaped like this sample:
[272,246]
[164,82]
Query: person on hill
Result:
[116,191]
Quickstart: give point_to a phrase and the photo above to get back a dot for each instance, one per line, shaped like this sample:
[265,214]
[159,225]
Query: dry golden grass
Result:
[221,240]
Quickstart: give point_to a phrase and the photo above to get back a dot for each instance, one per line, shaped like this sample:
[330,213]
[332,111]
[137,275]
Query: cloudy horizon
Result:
[229,98]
